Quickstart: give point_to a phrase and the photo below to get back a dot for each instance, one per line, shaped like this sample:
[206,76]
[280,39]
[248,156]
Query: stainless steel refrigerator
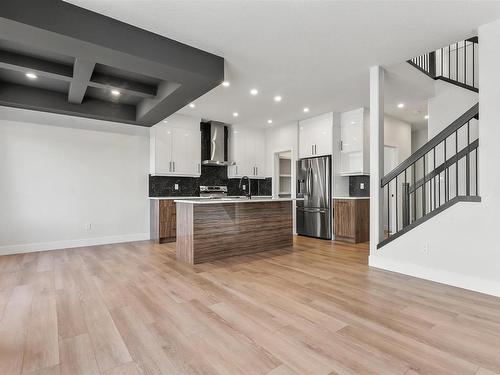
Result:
[314,213]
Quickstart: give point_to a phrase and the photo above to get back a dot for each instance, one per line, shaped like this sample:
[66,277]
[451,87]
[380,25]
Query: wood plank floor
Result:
[314,309]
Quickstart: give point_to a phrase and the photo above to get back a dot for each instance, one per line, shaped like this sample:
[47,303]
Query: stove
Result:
[213,192]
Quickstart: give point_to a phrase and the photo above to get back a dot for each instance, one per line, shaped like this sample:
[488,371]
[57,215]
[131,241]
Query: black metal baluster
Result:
[424,203]
[396,205]
[467,160]
[432,64]
[465,61]
[456,161]
[414,192]
[434,177]
[449,61]
[473,72]
[388,210]
[446,175]
[406,198]
[439,189]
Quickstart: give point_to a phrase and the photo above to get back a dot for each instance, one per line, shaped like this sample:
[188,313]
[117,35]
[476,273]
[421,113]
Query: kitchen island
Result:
[211,229]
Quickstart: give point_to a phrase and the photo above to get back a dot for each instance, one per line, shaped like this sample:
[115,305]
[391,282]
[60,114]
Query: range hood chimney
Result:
[214,137]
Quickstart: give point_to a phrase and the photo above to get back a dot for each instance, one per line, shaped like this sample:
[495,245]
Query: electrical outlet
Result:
[88,227]
[362,186]
[176,186]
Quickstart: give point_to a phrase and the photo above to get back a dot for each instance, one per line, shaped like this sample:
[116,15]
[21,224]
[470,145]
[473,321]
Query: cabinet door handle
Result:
[173,163]
[341,145]
[312,149]
[170,166]
[236,169]
[256,171]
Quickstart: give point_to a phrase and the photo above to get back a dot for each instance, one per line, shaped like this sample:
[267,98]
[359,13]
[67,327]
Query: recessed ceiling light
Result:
[277,98]
[306,109]
[31,75]
[115,92]
[401,105]
[269,121]
[254,92]
[426,117]
[225,83]
[235,114]
[192,105]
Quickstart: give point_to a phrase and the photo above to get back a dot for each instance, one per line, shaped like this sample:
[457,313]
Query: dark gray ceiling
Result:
[80,56]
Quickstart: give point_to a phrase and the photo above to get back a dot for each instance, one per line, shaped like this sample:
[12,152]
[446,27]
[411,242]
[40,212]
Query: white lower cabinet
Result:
[247,150]
[175,147]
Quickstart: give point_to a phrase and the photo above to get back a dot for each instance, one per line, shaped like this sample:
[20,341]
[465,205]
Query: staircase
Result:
[444,171]
[456,64]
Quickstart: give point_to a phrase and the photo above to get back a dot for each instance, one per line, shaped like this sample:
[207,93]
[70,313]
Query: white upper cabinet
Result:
[315,136]
[354,142]
[247,150]
[175,147]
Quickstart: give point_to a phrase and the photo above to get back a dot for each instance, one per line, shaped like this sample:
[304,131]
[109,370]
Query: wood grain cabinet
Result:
[163,220]
[351,220]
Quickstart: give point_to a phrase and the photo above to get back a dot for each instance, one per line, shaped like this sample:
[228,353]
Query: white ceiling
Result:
[312,53]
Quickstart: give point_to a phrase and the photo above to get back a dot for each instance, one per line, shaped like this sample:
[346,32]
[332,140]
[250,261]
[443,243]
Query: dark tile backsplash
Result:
[162,186]
[259,187]
[354,183]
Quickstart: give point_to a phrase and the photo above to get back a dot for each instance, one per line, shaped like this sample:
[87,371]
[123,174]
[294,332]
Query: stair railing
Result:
[456,63]
[440,173]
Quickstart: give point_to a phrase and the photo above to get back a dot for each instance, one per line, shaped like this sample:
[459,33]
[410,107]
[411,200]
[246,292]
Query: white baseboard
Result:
[57,245]
[437,275]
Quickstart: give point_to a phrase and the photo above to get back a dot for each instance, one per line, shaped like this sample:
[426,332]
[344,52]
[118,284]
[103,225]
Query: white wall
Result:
[280,138]
[60,173]
[447,105]
[397,134]
[418,139]
[462,241]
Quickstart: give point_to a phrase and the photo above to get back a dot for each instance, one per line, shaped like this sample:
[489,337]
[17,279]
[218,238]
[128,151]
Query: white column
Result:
[376,155]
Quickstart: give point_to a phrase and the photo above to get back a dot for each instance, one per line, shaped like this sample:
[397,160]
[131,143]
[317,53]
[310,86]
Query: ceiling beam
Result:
[20,96]
[21,63]
[126,86]
[82,72]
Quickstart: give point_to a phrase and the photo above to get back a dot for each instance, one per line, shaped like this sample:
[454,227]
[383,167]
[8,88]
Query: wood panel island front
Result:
[208,230]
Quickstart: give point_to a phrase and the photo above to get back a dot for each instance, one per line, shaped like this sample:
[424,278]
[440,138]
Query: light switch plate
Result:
[176,186]
[362,186]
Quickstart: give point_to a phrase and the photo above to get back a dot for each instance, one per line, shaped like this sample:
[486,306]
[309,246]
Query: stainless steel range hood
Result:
[214,138]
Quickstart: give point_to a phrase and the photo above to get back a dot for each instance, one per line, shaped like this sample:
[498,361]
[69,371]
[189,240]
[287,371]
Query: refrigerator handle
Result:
[309,181]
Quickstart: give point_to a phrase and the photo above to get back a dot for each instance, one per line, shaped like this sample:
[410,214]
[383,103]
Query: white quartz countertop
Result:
[351,197]
[196,198]
[235,200]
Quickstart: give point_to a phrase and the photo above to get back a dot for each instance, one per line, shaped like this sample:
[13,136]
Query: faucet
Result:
[248,193]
